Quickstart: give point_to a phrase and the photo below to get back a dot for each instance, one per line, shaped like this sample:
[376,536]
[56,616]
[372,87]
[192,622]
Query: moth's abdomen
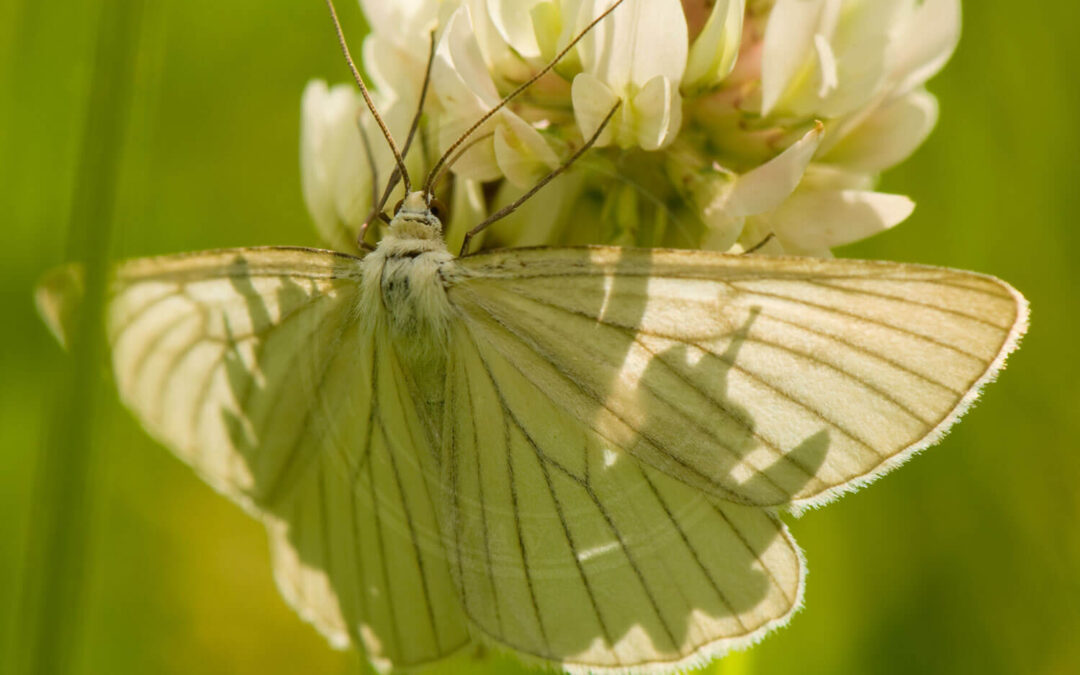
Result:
[415,312]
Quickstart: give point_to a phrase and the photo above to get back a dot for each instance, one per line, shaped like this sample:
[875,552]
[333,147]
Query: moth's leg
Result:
[756,247]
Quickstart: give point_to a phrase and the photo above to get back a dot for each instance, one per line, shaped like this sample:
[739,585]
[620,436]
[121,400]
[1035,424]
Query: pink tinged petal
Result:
[592,100]
[815,220]
[712,56]
[521,151]
[657,114]
[888,136]
[765,187]
[789,39]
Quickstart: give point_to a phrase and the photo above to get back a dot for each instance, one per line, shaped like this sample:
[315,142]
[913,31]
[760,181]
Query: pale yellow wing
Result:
[574,553]
[253,367]
[767,381]
[617,418]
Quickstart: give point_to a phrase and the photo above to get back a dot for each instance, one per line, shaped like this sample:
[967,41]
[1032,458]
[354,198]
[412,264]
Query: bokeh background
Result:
[965,561]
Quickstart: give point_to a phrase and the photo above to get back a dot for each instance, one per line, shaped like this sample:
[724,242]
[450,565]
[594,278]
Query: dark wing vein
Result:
[545,460]
[693,551]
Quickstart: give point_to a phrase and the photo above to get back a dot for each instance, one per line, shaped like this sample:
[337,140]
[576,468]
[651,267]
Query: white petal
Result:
[789,38]
[821,176]
[521,151]
[765,187]
[712,56]
[401,21]
[827,62]
[547,21]
[758,234]
[330,148]
[657,114]
[313,166]
[722,230]
[638,41]
[926,43]
[502,62]
[459,69]
[811,220]
[396,72]
[592,100]
[826,66]
[513,20]
[573,17]
[889,135]
[859,45]
[464,88]
[479,162]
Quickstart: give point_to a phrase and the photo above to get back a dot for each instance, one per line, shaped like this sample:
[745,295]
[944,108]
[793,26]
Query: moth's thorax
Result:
[405,277]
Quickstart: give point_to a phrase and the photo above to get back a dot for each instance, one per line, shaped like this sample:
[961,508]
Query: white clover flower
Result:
[739,121]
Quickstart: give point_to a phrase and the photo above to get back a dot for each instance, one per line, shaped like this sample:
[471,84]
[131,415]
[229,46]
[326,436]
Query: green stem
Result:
[56,562]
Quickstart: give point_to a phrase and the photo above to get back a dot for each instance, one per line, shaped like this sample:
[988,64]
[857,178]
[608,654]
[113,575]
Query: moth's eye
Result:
[438,209]
[397,207]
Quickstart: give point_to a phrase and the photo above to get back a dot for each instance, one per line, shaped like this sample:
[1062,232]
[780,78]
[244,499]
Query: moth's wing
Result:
[573,553]
[766,381]
[615,419]
[255,367]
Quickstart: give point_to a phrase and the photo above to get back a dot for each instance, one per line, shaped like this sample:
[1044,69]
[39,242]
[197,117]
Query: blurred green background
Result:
[966,560]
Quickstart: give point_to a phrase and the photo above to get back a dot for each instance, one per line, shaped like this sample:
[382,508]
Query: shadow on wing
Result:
[631,470]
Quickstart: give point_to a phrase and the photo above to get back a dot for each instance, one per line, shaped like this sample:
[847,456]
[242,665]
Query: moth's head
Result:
[418,216]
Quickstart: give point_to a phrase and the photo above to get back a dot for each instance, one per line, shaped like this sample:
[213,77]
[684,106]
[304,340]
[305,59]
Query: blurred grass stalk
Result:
[55,568]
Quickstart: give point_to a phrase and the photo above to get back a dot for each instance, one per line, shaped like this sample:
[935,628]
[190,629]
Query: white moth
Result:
[573,454]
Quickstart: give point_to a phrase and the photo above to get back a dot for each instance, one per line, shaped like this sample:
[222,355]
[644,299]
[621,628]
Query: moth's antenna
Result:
[522,87]
[361,244]
[394,177]
[377,202]
[367,96]
[510,208]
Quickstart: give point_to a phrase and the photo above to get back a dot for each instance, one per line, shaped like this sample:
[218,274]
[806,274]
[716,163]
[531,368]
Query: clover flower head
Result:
[738,121]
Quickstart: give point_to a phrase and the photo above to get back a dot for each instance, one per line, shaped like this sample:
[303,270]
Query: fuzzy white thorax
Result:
[404,277]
